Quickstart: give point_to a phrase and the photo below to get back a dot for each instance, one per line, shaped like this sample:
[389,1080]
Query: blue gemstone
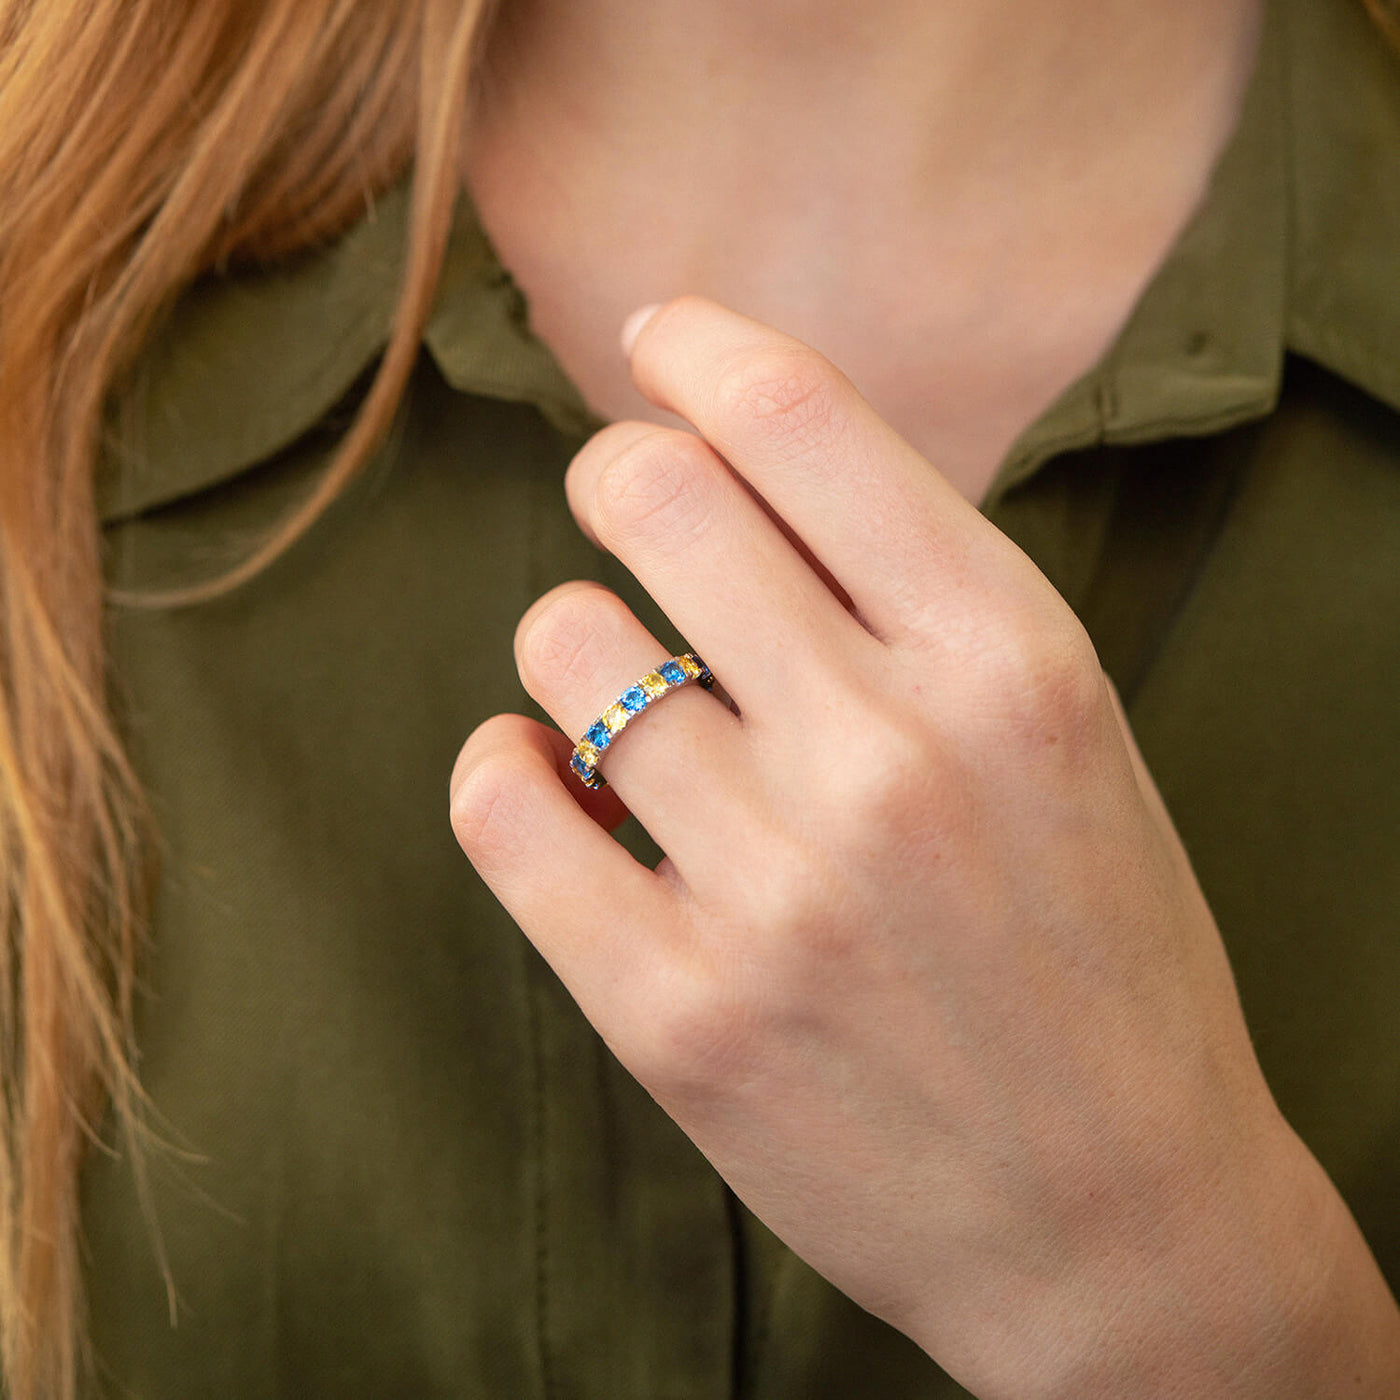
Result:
[579,766]
[672,673]
[634,699]
[599,735]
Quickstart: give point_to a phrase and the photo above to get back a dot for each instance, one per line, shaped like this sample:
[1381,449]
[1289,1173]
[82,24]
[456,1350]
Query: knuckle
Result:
[1047,685]
[791,395]
[804,914]
[699,1037]
[898,787]
[807,933]
[660,485]
[484,797]
[559,639]
[789,900]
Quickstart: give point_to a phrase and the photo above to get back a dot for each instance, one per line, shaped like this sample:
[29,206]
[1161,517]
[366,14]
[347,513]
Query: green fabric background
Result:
[407,1165]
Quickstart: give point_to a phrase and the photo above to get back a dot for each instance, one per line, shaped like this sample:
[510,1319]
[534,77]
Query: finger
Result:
[715,562]
[602,804]
[789,534]
[890,529]
[598,916]
[1146,783]
[679,764]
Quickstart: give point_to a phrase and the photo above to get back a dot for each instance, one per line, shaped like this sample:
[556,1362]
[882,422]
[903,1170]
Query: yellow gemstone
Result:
[653,684]
[688,666]
[588,753]
[615,716]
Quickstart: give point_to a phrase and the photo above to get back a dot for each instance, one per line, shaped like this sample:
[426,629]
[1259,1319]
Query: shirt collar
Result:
[247,363]
[1296,246]
[1344,272]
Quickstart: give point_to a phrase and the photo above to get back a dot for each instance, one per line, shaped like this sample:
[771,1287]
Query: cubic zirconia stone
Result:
[654,683]
[599,735]
[672,672]
[587,752]
[689,667]
[615,716]
[580,767]
[634,698]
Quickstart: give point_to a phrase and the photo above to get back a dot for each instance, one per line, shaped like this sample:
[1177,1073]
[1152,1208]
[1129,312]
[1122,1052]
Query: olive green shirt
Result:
[406,1166]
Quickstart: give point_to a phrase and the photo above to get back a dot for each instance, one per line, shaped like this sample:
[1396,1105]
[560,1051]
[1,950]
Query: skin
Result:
[925,972]
[1030,161]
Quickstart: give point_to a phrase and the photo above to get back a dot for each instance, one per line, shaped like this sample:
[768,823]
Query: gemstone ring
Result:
[670,675]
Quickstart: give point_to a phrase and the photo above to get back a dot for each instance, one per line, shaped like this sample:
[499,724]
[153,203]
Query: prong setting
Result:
[670,675]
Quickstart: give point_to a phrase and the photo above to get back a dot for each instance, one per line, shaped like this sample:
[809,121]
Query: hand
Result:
[925,972]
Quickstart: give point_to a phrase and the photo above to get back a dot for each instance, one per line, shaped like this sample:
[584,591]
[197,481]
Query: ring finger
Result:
[680,772]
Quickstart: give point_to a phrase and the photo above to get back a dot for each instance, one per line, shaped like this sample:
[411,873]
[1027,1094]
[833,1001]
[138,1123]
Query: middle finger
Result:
[672,511]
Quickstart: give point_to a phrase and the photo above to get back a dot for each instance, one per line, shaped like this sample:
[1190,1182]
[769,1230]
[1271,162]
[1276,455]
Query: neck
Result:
[939,94]
[875,176]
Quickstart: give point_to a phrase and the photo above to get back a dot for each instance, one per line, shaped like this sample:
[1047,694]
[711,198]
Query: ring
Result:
[669,676]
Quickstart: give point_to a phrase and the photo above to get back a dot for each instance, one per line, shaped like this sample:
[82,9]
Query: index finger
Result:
[898,538]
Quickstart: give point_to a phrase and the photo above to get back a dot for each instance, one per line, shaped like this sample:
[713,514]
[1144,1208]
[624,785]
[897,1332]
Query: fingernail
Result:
[632,326]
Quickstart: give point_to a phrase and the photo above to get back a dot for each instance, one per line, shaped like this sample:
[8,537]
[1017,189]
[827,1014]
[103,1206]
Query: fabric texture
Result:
[401,1162]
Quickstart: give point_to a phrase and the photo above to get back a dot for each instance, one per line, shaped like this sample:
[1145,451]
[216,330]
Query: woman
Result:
[924,972]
